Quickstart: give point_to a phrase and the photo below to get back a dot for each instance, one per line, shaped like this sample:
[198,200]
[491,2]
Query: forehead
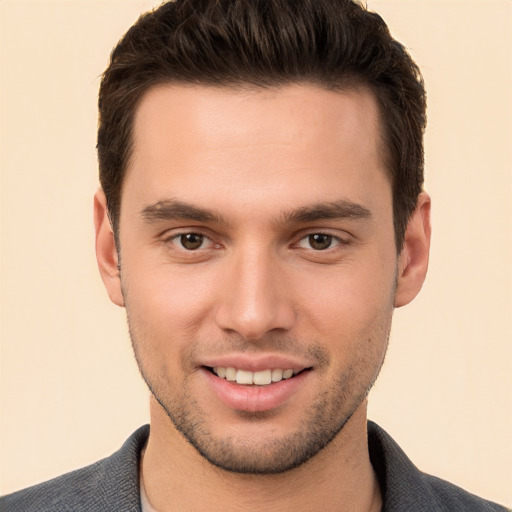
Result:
[217,115]
[291,141]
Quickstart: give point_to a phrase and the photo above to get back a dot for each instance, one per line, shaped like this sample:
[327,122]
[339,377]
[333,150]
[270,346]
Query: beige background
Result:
[70,389]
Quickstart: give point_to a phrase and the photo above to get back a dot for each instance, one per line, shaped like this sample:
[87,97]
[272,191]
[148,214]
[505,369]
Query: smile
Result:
[260,390]
[259,378]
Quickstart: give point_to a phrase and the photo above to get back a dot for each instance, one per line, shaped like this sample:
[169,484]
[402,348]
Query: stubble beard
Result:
[322,423]
[271,456]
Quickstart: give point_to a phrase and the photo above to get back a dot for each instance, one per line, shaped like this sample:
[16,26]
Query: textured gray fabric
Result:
[405,488]
[112,484]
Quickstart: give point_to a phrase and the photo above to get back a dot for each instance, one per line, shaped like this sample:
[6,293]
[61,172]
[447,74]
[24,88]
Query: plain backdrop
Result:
[70,390]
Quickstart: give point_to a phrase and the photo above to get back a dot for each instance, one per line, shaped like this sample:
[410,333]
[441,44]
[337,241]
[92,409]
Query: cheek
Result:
[160,328]
[349,308]
[167,301]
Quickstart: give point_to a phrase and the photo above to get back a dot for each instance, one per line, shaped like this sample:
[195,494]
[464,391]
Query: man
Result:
[261,215]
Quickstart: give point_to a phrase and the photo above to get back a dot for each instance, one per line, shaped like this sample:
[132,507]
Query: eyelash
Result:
[334,241]
[178,236]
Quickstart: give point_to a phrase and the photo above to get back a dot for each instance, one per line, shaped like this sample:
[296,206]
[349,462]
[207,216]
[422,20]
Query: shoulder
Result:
[407,488]
[452,497]
[109,484]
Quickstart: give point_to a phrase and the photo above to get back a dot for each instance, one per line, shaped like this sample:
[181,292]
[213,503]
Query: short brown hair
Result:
[336,44]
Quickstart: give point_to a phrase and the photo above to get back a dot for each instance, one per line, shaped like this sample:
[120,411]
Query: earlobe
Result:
[106,252]
[413,260]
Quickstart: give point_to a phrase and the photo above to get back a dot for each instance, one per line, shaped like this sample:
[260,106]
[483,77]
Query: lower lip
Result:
[254,398]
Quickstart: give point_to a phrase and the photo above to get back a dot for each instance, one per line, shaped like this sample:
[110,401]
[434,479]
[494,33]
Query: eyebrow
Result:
[172,209]
[341,209]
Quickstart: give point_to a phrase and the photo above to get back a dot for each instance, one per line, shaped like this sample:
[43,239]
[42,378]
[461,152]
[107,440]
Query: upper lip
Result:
[255,363]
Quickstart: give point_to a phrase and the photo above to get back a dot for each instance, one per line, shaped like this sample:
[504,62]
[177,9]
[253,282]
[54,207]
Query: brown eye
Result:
[191,241]
[320,241]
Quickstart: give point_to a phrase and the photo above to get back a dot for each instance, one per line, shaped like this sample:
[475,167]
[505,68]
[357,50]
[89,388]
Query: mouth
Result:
[257,389]
[258,378]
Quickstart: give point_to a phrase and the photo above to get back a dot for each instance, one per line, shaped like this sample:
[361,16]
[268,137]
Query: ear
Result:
[413,260]
[106,252]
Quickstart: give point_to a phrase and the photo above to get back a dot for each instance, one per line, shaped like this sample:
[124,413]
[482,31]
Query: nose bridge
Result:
[254,301]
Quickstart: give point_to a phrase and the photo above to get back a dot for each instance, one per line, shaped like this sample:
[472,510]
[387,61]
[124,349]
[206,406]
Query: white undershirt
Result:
[144,502]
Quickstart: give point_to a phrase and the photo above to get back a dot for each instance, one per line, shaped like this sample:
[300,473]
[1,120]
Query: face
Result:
[258,266]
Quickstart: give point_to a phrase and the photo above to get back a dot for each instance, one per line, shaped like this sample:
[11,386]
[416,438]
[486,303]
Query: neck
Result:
[339,478]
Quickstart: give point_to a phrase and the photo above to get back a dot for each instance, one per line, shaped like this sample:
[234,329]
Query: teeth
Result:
[243,377]
[277,375]
[230,374]
[261,378]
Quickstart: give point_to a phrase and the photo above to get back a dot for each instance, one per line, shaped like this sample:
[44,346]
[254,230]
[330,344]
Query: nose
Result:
[254,298]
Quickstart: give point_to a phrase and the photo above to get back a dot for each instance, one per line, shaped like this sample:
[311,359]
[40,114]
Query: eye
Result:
[318,241]
[189,246]
[190,241]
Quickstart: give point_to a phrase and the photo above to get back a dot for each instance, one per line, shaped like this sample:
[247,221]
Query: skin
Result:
[271,168]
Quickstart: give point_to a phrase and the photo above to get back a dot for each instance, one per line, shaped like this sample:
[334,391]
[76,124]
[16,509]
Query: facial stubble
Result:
[322,421]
